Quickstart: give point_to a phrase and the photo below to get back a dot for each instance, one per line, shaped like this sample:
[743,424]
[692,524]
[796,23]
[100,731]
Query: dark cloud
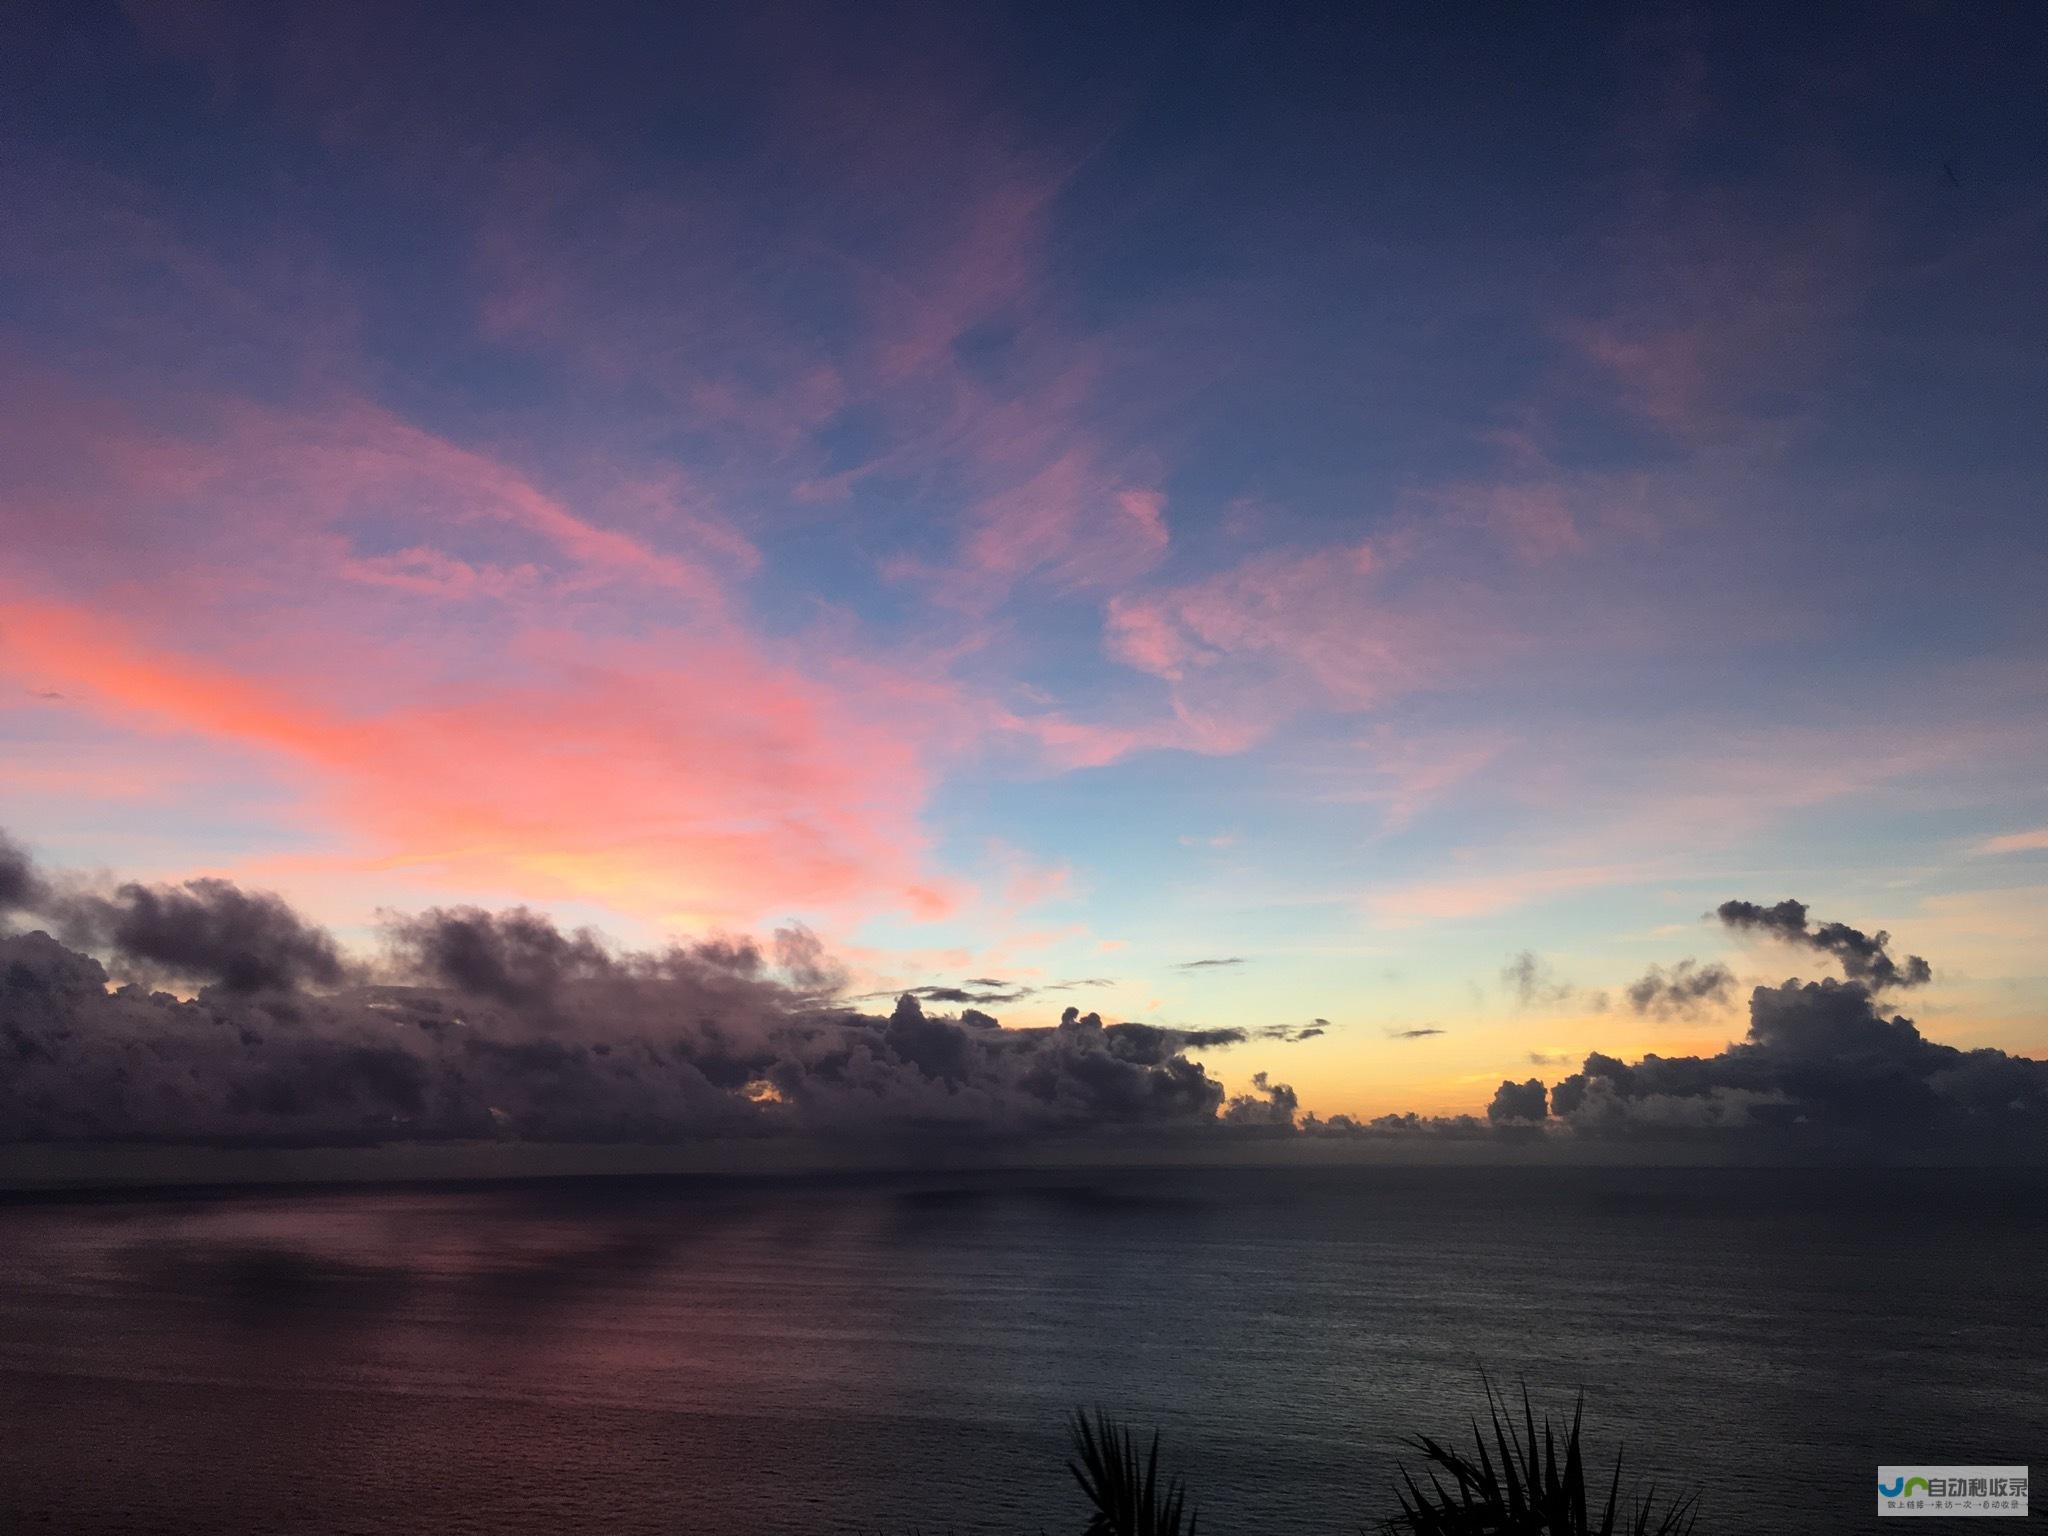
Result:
[1863,956]
[511,1029]
[1531,981]
[1269,1106]
[517,957]
[1197,965]
[800,955]
[1539,1059]
[1820,1062]
[502,1025]
[939,1049]
[1822,1068]
[984,989]
[1413,1034]
[1153,1041]
[1212,1039]
[84,1063]
[1684,989]
[209,932]
[1294,1032]
[1284,1033]
[739,955]
[1518,1102]
[21,887]
[967,995]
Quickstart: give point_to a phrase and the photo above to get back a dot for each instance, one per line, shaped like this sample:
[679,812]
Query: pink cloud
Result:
[1148,510]
[1536,521]
[985,256]
[430,573]
[1339,629]
[361,461]
[243,497]
[404,627]
[1070,522]
[1409,773]
[2034,841]
[933,248]
[714,786]
[1722,309]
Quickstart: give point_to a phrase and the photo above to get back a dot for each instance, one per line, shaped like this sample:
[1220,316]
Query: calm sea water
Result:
[879,1354]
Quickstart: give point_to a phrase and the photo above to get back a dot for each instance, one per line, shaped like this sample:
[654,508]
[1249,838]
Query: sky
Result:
[1356,529]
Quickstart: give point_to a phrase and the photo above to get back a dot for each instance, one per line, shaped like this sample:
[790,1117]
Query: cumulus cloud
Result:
[1684,989]
[206,931]
[480,1025]
[648,1047]
[1517,1102]
[800,955]
[1269,1105]
[483,1024]
[1863,956]
[21,887]
[516,957]
[1821,1068]
[1820,1059]
[1823,1071]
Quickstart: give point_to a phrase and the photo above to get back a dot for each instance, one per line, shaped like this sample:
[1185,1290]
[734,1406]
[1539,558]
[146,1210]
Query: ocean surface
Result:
[883,1354]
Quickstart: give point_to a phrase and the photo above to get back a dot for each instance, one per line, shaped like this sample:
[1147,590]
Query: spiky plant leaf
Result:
[1529,1492]
[1128,1498]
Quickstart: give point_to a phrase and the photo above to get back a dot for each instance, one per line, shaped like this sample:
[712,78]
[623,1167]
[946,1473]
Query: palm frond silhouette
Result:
[1528,1493]
[1128,1497]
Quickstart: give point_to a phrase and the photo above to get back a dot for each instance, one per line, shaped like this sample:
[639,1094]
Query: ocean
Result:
[894,1353]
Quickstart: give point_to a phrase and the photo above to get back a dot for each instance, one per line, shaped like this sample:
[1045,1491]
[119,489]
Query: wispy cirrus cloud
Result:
[1281,632]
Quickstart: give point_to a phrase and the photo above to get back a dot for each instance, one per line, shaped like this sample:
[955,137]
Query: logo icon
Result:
[1946,1492]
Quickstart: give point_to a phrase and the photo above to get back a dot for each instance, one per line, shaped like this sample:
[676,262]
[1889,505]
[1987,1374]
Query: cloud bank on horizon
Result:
[473,1025]
[1195,523]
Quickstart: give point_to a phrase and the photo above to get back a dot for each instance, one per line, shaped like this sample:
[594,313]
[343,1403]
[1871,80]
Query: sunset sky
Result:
[1220,521]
